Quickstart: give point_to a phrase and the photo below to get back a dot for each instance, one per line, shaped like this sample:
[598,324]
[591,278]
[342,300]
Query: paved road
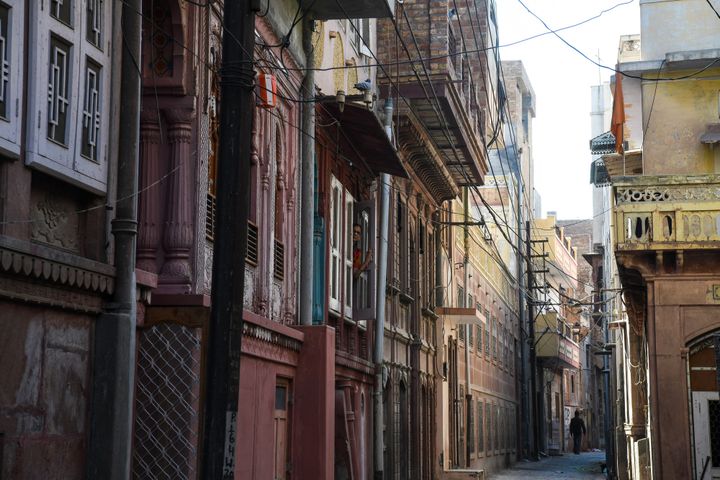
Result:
[585,466]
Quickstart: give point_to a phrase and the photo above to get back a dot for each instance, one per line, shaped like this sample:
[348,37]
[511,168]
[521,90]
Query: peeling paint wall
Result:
[44,391]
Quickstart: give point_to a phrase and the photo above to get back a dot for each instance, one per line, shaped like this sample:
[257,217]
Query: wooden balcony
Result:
[656,213]
[443,92]
[553,341]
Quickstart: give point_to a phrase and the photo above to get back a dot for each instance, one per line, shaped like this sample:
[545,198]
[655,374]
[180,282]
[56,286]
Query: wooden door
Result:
[282,430]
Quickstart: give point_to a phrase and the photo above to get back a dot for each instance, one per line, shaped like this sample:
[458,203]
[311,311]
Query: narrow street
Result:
[585,466]
[343,239]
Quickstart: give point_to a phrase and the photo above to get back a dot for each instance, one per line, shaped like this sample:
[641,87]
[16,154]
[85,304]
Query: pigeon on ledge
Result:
[363,86]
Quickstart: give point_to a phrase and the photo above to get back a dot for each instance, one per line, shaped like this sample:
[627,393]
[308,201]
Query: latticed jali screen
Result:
[167,405]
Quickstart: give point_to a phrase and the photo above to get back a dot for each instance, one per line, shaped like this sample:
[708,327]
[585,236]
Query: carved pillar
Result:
[150,200]
[265,222]
[290,252]
[178,236]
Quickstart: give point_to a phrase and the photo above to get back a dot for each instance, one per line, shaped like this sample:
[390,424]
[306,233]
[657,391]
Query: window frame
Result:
[340,250]
[10,124]
[334,245]
[66,161]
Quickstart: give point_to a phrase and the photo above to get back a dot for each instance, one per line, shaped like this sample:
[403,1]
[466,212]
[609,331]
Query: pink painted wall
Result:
[313,438]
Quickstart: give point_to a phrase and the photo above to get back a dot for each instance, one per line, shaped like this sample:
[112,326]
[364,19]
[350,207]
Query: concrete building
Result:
[665,216]
[590,400]
[557,322]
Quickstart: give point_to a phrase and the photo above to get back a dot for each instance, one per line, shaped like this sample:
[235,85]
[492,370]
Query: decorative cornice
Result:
[662,193]
[251,330]
[37,263]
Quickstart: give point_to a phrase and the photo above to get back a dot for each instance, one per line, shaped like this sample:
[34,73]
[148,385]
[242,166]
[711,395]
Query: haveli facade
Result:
[665,244]
[57,200]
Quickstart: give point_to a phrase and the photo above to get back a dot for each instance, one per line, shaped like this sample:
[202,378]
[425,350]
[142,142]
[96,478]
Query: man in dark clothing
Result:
[577,429]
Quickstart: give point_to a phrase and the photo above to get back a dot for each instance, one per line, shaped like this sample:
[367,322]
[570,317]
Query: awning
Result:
[363,139]
[603,144]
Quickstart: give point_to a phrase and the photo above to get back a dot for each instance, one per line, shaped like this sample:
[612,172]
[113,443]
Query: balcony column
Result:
[149,232]
[178,224]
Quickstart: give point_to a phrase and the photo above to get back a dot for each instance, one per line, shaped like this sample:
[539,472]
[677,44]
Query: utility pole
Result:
[531,342]
[380,302]
[466,273]
[226,313]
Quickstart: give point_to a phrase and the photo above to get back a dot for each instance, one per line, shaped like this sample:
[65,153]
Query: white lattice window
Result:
[58,101]
[335,242]
[91,111]
[69,81]
[342,205]
[348,263]
[94,22]
[11,75]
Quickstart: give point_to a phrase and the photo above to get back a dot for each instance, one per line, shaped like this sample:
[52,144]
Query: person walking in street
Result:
[577,430]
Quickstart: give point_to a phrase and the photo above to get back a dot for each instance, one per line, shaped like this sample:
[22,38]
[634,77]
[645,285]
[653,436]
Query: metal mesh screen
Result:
[167,405]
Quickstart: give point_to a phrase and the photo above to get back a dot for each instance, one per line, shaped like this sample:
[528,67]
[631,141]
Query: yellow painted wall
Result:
[680,115]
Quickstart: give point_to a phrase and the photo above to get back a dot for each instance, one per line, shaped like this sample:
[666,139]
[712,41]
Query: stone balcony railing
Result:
[655,213]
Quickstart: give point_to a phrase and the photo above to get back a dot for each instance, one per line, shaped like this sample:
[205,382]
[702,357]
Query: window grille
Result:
[252,244]
[279,261]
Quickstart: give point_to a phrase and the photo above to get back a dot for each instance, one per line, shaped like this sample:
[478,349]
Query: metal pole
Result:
[109,452]
[609,413]
[468,392]
[307,207]
[379,351]
[226,314]
[531,343]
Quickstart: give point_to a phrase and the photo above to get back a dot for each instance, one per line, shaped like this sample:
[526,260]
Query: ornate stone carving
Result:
[55,222]
[178,225]
[667,194]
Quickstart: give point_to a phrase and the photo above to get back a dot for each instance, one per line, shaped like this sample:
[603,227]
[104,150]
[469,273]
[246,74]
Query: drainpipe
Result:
[466,263]
[307,212]
[379,353]
[109,452]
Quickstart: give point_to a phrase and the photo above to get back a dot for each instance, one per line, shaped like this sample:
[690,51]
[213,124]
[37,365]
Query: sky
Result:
[561,79]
